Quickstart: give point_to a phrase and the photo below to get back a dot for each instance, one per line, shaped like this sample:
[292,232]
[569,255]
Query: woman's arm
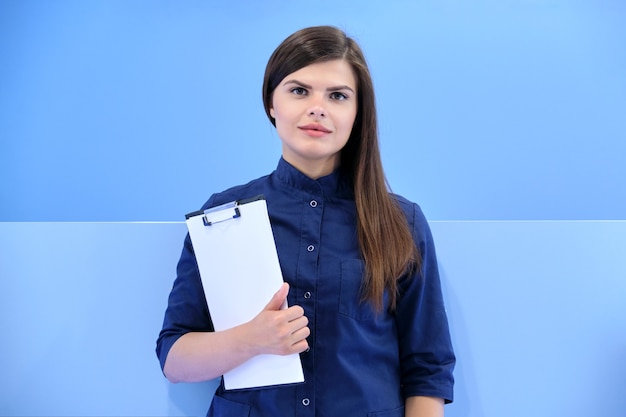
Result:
[201,356]
[423,336]
[423,407]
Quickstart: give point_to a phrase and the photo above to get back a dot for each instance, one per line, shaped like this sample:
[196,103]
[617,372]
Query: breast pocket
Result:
[351,303]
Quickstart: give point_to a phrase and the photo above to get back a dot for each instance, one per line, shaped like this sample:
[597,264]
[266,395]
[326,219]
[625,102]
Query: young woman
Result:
[359,265]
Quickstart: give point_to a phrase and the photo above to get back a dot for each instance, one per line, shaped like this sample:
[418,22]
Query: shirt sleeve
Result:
[426,354]
[187,309]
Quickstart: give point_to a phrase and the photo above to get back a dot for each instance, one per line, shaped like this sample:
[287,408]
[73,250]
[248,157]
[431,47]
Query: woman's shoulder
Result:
[414,216]
[238,192]
[410,208]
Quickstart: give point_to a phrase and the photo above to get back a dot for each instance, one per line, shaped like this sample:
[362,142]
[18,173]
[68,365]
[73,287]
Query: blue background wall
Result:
[503,119]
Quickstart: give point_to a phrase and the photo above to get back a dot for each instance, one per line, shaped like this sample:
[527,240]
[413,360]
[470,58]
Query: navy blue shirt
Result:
[359,361]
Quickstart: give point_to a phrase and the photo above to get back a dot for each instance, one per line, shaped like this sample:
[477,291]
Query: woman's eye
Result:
[299,91]
[338,96]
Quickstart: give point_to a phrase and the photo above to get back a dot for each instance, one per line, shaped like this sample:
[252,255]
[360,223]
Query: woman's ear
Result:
[272,112]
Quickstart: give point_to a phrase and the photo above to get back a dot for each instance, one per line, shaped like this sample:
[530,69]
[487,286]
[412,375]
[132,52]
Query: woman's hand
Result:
[200,356]
[276,331]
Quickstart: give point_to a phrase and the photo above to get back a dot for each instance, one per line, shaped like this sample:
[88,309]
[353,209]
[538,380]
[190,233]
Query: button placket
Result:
[313,204]
[313,212]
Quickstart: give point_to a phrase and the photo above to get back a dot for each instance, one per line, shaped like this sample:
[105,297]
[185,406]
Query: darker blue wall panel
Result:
[116,110]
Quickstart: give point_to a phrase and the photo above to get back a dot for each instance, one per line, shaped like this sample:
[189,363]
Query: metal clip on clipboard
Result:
[228,216]
[225,208]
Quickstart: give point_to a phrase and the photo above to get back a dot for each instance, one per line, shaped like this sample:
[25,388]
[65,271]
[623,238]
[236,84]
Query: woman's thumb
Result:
[278,299]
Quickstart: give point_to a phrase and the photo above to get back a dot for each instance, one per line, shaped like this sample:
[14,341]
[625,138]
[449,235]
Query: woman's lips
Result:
[314,130]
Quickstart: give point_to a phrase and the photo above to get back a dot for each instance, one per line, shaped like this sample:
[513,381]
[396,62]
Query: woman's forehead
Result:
[336,72]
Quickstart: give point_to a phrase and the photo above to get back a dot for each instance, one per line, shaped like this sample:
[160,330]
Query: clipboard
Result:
[240,272]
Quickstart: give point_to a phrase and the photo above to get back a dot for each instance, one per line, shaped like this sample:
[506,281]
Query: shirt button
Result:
[306,402]
[310,248]
[313,203]
[307,294]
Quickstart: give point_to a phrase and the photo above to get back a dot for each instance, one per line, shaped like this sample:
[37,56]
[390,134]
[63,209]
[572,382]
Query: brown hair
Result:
[385,239]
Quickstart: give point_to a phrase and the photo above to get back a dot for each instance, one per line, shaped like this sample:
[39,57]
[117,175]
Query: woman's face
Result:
[314,109]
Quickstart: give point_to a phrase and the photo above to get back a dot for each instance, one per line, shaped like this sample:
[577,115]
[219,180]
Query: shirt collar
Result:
[334,184]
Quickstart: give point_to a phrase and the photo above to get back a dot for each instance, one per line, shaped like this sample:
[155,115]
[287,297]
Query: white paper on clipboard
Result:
[236,254]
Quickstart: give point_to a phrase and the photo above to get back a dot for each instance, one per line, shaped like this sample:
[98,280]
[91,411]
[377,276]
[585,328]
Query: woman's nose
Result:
[316,105]
[317,111]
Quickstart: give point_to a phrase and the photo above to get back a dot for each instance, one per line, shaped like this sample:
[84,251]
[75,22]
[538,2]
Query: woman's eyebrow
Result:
[340,87]
[296,82]
[335,88]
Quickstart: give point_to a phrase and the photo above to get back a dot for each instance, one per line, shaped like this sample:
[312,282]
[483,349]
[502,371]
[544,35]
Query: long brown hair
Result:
[385,239]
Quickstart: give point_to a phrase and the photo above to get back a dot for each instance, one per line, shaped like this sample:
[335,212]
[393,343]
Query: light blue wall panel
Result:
[536,310]
[538,316]
[81,305]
